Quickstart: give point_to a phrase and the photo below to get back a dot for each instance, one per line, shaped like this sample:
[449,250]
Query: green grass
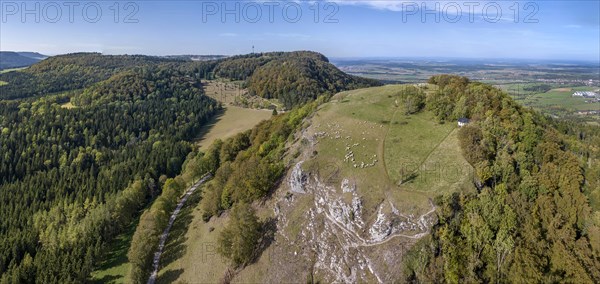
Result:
[558,98]
[444,170]
[232,121]
[2,83]
[115,265]
[417,158]
[410,141]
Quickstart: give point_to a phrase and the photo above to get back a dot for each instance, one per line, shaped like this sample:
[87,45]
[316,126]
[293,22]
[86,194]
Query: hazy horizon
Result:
[536,30]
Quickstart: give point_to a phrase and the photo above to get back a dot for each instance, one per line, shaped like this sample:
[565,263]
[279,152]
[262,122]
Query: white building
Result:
[585,94]
[463,121]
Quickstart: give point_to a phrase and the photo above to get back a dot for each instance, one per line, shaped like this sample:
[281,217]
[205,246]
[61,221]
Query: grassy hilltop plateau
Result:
[311,175]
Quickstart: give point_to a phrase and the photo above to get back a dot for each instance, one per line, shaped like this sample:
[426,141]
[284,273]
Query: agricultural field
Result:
[558,101]
[236,117]
[490,71]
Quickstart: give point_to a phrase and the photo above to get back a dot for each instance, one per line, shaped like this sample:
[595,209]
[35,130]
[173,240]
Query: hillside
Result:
[9,59]
[292,77]
[381,186]
[376,184]
[341,204]
[89,140]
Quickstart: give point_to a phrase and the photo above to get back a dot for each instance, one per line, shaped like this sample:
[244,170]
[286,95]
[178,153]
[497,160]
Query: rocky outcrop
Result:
[343,245]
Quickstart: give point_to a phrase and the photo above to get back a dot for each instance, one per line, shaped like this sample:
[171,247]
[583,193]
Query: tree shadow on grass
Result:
[408,179]
[170,276]
[209,125]
[108,279]
[268,236]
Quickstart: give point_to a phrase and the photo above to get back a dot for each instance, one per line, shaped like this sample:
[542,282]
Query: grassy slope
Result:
[12,69]
[413,143]
[196,259]
[360,115]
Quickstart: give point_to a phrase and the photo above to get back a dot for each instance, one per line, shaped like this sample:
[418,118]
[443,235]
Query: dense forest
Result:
[535,217]
[71,178]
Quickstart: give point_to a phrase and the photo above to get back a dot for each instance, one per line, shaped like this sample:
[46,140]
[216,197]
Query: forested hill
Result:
[292,77]
[9,59]
[68,72]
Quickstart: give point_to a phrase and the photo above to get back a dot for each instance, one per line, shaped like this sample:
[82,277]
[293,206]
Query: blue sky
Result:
[341,28]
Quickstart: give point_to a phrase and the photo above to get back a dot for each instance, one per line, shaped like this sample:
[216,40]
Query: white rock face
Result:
[381,228]
[298,179]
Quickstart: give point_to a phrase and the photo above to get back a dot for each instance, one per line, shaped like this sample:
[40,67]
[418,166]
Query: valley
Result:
[317,175]
[185,142]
